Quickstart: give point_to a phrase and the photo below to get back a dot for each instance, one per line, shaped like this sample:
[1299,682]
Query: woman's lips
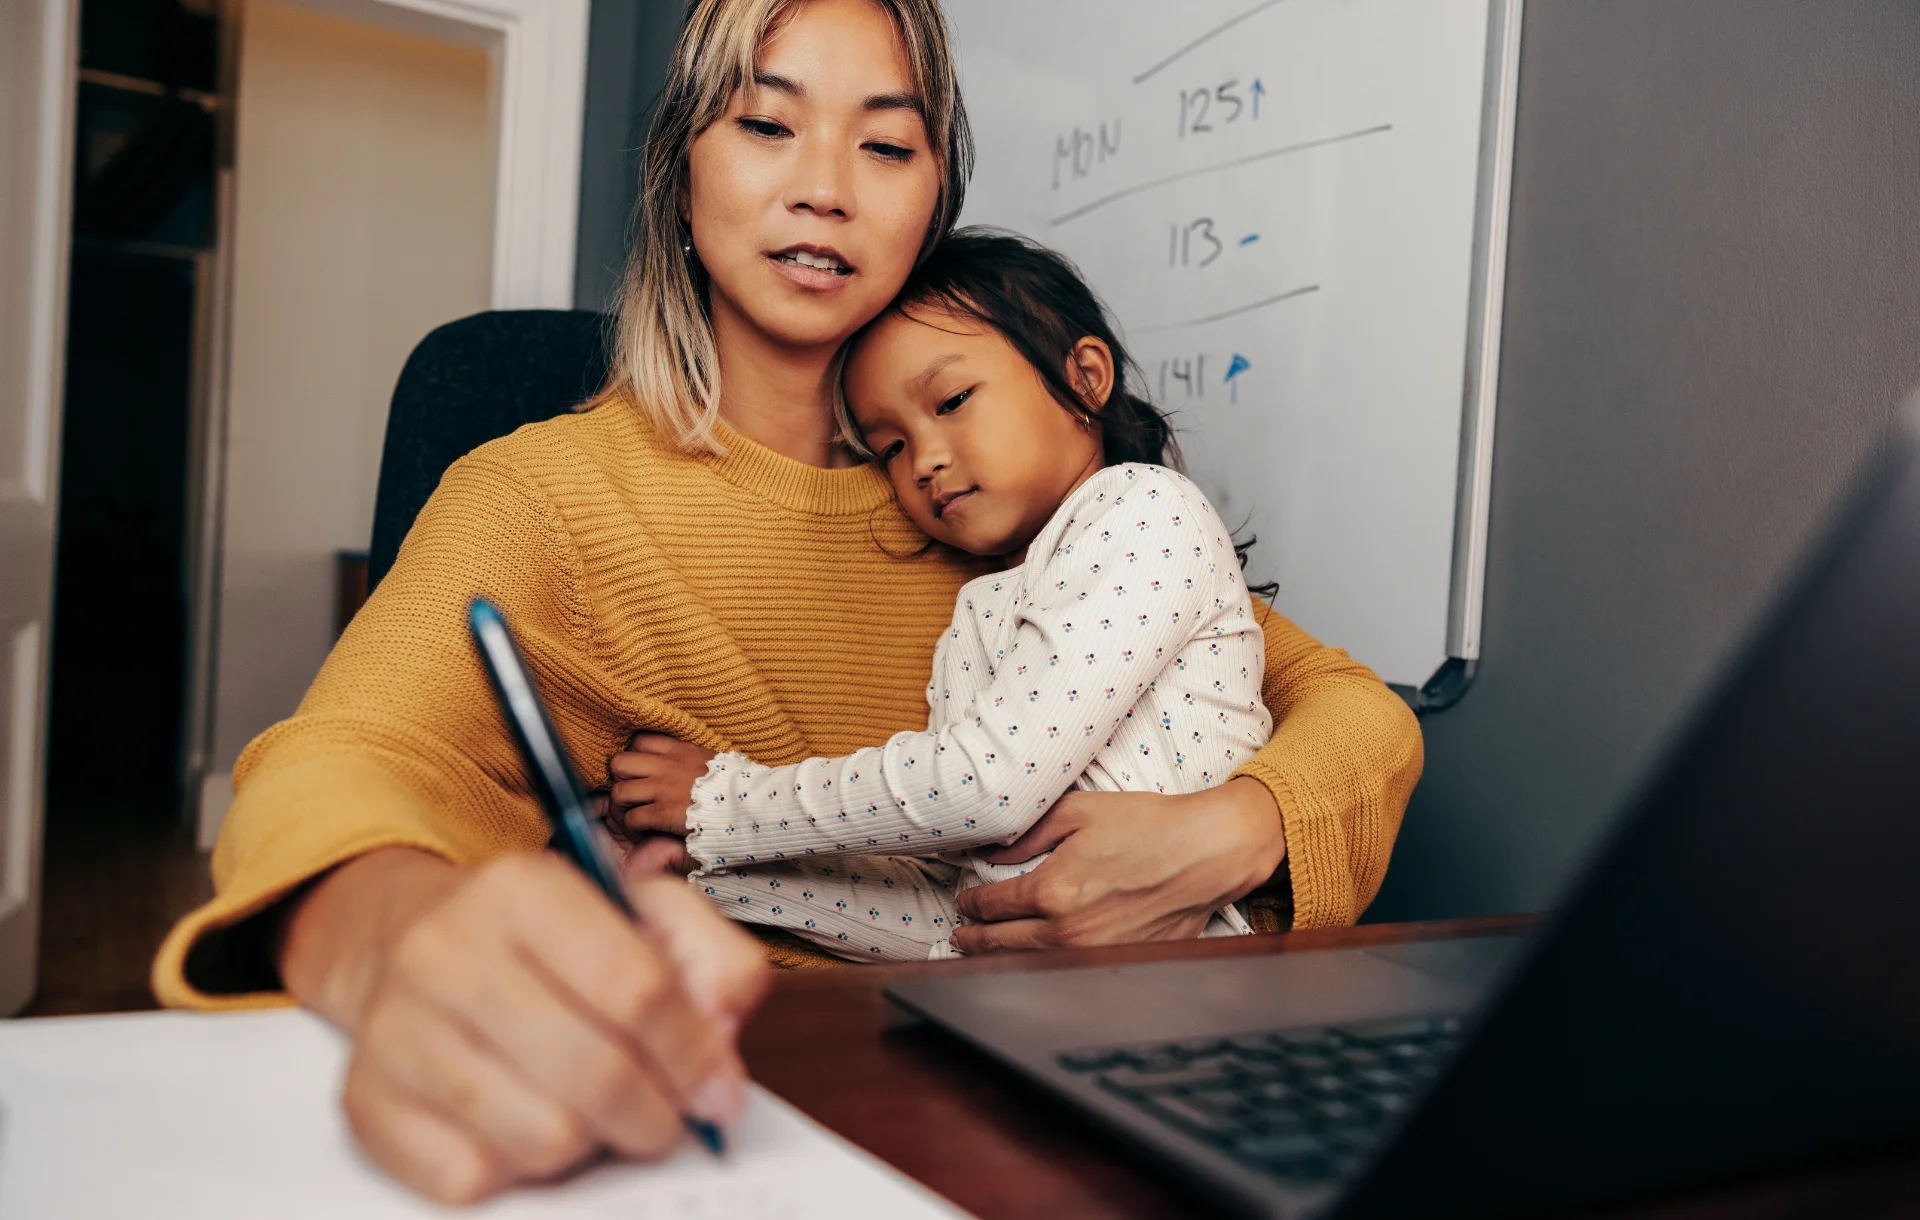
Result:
[810,268]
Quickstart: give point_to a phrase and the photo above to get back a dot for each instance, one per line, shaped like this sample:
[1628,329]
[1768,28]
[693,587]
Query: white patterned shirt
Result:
[1122,655]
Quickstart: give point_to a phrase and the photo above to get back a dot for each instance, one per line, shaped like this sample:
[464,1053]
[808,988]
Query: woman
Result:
[696,556]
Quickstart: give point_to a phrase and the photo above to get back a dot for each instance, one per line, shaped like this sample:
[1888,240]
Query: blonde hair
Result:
[664,357]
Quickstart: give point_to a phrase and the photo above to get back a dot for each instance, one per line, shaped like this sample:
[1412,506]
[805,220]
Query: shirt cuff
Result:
[710,824]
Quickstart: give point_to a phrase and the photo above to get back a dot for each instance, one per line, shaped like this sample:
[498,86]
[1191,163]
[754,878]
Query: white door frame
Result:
[538,51]
[38,40]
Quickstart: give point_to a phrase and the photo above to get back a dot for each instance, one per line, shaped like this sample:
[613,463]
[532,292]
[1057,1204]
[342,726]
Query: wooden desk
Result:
[1001,1148]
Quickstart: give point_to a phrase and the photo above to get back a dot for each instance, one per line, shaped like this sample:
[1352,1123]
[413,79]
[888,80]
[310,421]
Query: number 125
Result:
[1204,109]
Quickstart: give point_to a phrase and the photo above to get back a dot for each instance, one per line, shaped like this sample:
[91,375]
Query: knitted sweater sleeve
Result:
[1090,632]
[398,743]
[1343,760]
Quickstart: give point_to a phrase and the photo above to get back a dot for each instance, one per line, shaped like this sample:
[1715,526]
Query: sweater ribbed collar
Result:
[848,491]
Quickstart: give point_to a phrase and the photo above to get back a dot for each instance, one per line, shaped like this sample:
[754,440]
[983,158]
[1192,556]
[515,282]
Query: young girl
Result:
[1117,650]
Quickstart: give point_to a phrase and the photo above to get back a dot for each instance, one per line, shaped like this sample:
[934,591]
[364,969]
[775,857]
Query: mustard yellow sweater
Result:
[746,602]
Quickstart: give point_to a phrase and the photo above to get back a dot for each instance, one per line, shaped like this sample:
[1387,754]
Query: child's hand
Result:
[653,783]
[655,854]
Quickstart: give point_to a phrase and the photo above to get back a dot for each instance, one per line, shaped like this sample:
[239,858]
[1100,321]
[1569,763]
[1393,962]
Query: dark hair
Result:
[1036,300]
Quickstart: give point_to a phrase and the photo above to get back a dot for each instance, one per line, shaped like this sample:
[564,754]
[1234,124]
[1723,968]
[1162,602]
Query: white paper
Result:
[238,1115]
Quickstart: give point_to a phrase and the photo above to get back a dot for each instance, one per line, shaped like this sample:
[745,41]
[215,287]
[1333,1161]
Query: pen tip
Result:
[708,1134]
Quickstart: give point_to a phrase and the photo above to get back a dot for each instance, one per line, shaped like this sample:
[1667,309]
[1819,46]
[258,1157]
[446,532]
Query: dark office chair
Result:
[467,383]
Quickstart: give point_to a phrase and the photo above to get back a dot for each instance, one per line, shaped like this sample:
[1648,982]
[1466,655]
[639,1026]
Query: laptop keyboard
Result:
[1302,1105]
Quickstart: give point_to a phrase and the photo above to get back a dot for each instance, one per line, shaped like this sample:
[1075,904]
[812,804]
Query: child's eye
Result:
[891,452]
[891,151]
[765,128]
[953,404]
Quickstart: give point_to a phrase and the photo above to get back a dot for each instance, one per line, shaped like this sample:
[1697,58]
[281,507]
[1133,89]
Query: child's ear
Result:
[1090,368]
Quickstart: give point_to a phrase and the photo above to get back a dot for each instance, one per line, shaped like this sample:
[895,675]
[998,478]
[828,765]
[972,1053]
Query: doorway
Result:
[232,343]
[363,219]
[147,106]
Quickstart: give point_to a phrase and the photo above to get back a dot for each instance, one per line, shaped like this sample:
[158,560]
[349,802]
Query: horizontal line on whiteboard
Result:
[1184,174]
[1209,36]
[1228,313]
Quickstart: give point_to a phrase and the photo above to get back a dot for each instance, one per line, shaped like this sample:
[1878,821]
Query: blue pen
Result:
[555,782]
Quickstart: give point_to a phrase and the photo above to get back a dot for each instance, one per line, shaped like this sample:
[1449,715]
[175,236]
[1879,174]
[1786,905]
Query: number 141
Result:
[1186,375]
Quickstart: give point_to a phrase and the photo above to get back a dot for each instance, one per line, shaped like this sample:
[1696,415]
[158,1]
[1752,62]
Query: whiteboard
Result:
[1296,210]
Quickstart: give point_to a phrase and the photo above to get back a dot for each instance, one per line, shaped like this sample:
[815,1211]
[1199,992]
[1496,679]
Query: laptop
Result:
[1732,985]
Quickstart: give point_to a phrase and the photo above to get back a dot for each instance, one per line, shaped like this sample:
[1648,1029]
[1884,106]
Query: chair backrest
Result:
[466,384]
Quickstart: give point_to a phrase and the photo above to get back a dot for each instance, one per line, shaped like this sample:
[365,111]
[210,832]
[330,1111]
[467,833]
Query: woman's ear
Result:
[1090,369]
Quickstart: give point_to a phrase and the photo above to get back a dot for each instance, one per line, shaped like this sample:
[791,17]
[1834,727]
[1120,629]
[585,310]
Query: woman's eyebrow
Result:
[784,84]
[892,101]
[878,101]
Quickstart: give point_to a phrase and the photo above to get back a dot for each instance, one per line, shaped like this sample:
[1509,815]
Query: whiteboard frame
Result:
[1487,304]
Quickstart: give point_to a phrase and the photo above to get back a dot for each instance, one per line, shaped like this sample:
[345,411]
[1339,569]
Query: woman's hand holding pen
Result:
[509,1023]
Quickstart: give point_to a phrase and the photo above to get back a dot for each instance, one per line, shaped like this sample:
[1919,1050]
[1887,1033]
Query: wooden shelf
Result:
[153,88]
[149,249]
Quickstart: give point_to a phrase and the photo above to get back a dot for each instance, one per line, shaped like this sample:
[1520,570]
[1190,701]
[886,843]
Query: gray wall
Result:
[629,44]
[1713,305]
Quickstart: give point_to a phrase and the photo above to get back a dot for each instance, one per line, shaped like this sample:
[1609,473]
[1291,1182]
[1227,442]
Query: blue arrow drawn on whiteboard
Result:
[1238,365]
[1259,91]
